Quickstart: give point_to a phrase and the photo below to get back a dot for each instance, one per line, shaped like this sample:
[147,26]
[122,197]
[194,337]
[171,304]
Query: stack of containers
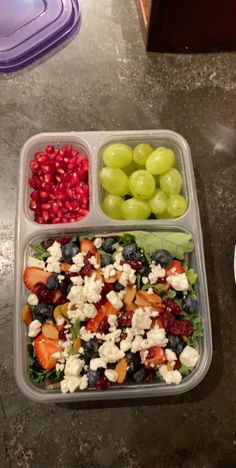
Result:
[29,232]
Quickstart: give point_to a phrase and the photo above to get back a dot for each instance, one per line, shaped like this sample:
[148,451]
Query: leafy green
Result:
[127,239]
[177,243]
[159,376]
[75,329]
[138,281]
[30,350]
[86,235]
[185,370]
[196,320]
[170,294]
[40,251]
[192,292]
[191,276]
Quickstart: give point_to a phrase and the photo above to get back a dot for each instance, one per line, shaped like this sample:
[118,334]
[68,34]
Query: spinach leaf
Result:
[40,251]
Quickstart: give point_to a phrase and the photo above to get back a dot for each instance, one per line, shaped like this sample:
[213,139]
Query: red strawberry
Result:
[44,349]
[155,357]
[174,268]
[33,275]
[93,323]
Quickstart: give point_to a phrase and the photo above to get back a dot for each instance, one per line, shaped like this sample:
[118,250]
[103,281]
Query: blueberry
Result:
[69,251]
[91,348]
[52,282]
[69,288]
[162,257]
[145,270]
[118,286]
[134,362]
[107,244]
[140,375]
[93,377]
[132,252]
[189,304]
[43,311]
[106,259]
[175,343]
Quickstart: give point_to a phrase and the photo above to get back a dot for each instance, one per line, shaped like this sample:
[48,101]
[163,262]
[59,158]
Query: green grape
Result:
[165,215]
[141,153]
[111,206]
[135,209]
[160,160]
[158,202]
[176,205]
[171,182]
[117,155]
[114,181]
[142,184]
[157,179]
[128,170]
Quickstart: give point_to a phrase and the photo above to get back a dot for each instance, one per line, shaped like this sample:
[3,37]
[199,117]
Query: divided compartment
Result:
[38,393]
[39,143]
[168,139]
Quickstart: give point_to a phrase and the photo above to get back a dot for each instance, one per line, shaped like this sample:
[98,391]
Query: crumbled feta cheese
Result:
[73,366]
[137,344]
[127,275]
[92,289]
[114,300]
[153,313]
[141,320]
[32,300]
[150,291]
[56,355]
[59,367]
[111,375]
[89,310]
[156,272]
[77,280]
[93,262]
[171,376]
[97,363]
[97,242]
[70,383]
[34,328]
[170,355]
[81,312]
[53,262]
[85,334]
[145,280]
[114,336]
[83,382]
[60,278]
[125,345]
[121,294]
[189,356]
[110,352]
[108,271]
[34,262]
[78,260]
[81,350]
[112,320]
[178,282]
[155,337]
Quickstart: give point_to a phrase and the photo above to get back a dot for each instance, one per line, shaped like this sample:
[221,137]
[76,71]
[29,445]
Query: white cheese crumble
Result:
[114,300]
[110,352]
[34,262]
[141,320]
[137,344]
[97,363]
[73,366]
[34,328]
[70,383]
[112,320]
[111,375]
[189,356]
[32,300]
[85,334]
[156,272]
[92,289]
[59,367]
[60,278]
[178,282]
[127,275]
[150,291]
[97,242]
[93,261]
[53,262]
[83,382]
[145,280]
[108,271]
[77,280]
[155,337]
[171,376]
[170,355]
[78,260]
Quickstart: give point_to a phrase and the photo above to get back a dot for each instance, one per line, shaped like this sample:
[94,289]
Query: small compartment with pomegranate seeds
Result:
[58,182]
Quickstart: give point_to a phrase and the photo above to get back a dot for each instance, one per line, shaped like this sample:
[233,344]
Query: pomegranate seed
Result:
[33,205]
[59,157]
[43,195]
[43,160]
[35,196]
[50,149]
[38,155]
[60,171]
[46,206]
[45,214]
[55,207]
[61,153]
[83,212]
[56,220]
[34,166]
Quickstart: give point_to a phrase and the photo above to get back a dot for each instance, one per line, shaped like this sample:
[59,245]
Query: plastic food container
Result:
[27,232]
[28,30]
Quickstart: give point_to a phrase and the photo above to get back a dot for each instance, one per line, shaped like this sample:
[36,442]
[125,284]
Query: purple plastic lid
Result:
[30,28]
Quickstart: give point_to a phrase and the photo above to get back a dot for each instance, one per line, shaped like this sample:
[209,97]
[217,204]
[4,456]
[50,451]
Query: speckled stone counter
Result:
[105,80]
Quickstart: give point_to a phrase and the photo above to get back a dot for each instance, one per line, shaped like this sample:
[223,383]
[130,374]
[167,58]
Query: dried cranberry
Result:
[43,293]
[134,264]
[150,374]
[171,306]
[177,364]
[161,280]
[125,319]
[181,327]
[102,383]
[64,240]
[167,318]
[103,326]
[87,265]
[62,335]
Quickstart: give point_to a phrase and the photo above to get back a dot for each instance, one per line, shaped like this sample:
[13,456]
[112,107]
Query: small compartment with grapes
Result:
[142,181]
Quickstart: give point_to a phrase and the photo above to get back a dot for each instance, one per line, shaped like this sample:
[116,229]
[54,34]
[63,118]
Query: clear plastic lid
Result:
[29,29]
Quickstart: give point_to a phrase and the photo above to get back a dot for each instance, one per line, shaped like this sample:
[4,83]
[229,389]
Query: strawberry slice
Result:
[86,246]
[93,323]
[33,275]
[44,349]
[153,357]
[175,268]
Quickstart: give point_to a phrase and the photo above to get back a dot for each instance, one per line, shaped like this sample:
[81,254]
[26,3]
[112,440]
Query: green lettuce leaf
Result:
[185,370]
[177,243]
[40,251]
[191,276]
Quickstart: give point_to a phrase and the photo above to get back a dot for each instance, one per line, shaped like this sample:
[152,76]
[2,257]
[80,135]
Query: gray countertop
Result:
[104,80]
